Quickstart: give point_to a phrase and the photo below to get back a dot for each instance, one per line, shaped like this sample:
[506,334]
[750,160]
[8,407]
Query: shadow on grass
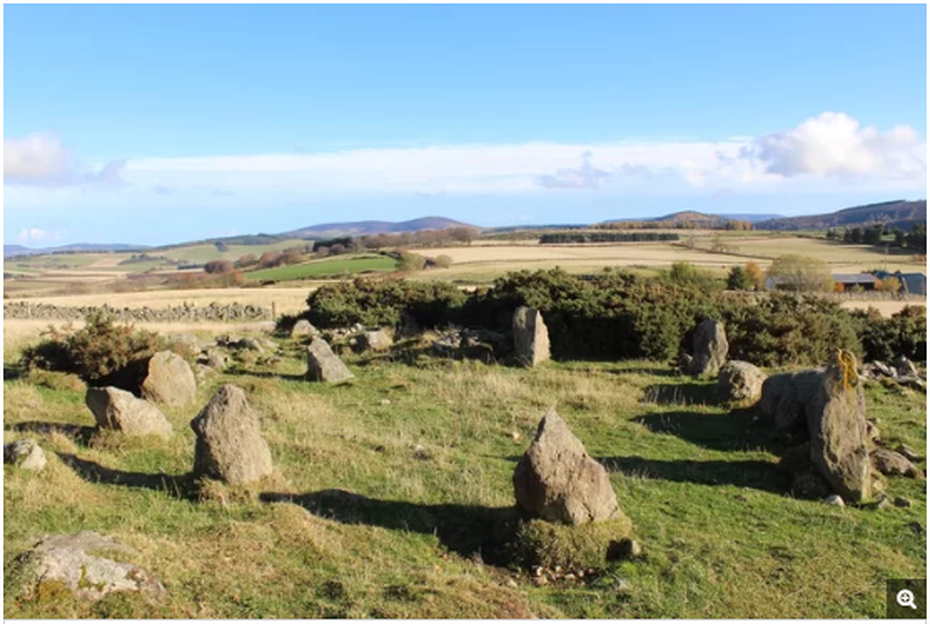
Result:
[12,371]
[79,433]
[759,475]
[469,530]
[618,372]
[686,393]
[738,430]
[241,372]
[180,486]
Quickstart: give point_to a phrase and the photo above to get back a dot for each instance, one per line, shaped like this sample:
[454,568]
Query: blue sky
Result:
[156,124]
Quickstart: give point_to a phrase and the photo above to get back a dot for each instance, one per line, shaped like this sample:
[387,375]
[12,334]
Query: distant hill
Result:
[360,228]
[897,213]
[19,250]
[678,219]
[752,218]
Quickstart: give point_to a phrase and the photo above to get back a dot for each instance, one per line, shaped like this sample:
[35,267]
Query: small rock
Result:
[834,499]
[540,581]
[916,527]
[623,586]
[421,453]
[569,577]
[891,463]
[580,574]
[511,583]
[26,454]
[882,501]
[625,548]
[385,401]
[900,501]
[515,436]
[908,453]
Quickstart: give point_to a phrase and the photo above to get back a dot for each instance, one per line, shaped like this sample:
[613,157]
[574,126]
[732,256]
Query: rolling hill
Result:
[19,250]
[360,228]
[897,213]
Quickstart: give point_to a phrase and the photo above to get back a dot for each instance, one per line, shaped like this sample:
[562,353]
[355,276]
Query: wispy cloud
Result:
[40,159]
[35,235]
[586,176]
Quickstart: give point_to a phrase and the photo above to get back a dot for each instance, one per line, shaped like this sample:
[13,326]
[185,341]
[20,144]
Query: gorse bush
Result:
[616,315]
[97,352]
[905,333]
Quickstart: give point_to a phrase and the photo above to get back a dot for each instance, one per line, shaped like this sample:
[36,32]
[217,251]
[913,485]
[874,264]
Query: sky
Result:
[150,124]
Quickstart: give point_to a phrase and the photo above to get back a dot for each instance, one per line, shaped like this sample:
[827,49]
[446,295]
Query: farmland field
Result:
[333,267]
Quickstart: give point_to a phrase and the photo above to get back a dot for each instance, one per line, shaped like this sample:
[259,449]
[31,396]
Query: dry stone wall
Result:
[182,313]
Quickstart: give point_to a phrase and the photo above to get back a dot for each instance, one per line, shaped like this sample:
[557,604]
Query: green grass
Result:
[342,265]
[720,535]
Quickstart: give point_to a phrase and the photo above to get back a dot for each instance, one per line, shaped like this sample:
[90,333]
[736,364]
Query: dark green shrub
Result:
[905,333]
[97,353]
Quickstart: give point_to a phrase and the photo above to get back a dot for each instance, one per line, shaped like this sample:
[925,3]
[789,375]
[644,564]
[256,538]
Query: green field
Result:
[722,536]
[343,265]
[200,254]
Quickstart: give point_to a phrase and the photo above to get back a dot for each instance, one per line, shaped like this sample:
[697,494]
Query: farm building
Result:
[866,281]
[912,283]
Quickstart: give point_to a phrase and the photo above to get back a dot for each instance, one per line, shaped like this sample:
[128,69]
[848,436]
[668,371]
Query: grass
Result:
[343,265]
[352,524]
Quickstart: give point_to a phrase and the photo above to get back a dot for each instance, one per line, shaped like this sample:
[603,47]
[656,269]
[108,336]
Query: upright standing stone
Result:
[118,409]
[230,446]
[710,348]
[838,433]
[169,380]
[323,364]
[530,337]
[556,480]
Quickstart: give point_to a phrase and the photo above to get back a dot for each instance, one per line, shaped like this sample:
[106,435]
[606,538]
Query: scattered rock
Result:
[324,365]
[891,463]
[908,453]
[540,581]
[385,401]
[739,382]
[882,501]
[530,337]
[904,367]
[303,329]
[27,454]
[916,527]
[836,423]
[710,347]
[121,410]
[511,583]
[169,380]
[68,559]
[834,499]
[230,446]
[900,501]
[375,341]
[421,453]
[556,480]
[216,358]
[623,586]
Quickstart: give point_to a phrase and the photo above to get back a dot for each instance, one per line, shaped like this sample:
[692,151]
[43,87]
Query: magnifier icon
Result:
[905,598]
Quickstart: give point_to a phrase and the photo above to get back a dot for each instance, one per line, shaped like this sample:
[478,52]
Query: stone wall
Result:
[182,313]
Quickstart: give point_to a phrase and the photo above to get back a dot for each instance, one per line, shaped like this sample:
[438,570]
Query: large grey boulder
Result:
[556,480]
[739,382]
[71,560]
[377,340]
[709,347]
[169,380]
[788,397]
[889,462]
[230,446]
[837,427]
[121,410]
[324,365]
[26,454]
[530,337]
[303,329]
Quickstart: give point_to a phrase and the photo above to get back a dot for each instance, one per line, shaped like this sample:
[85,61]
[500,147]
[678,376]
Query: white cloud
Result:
[35,235]
[40,159]
[835,145]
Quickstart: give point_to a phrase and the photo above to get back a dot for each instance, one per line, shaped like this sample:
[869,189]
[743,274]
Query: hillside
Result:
[360,228]
[19,250]
[898,213]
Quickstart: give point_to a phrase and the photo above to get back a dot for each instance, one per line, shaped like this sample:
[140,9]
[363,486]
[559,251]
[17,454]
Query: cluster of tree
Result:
[561,238]
[190,280]
[915,238]
[335,246]
[697,223]
[423,238]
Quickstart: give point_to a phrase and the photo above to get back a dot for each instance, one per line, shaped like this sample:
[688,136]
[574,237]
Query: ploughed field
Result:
[423,450]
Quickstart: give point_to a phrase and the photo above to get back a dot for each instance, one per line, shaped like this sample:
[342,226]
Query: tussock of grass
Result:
[358,522]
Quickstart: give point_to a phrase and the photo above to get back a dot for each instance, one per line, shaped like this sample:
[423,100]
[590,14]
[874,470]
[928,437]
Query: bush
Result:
[801,273]
[738,279]
[98,353]
[411,262]
[905,333]
[443,261]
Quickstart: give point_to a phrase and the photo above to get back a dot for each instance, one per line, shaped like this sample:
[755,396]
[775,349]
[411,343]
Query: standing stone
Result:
[837,429]
[229,444]
[374,341]
[303,328]
[324,365]
[556,480]
[67,559]
[530,337]
[118,409]
[170,380]
[739,382]
[710,348]
[26,454]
